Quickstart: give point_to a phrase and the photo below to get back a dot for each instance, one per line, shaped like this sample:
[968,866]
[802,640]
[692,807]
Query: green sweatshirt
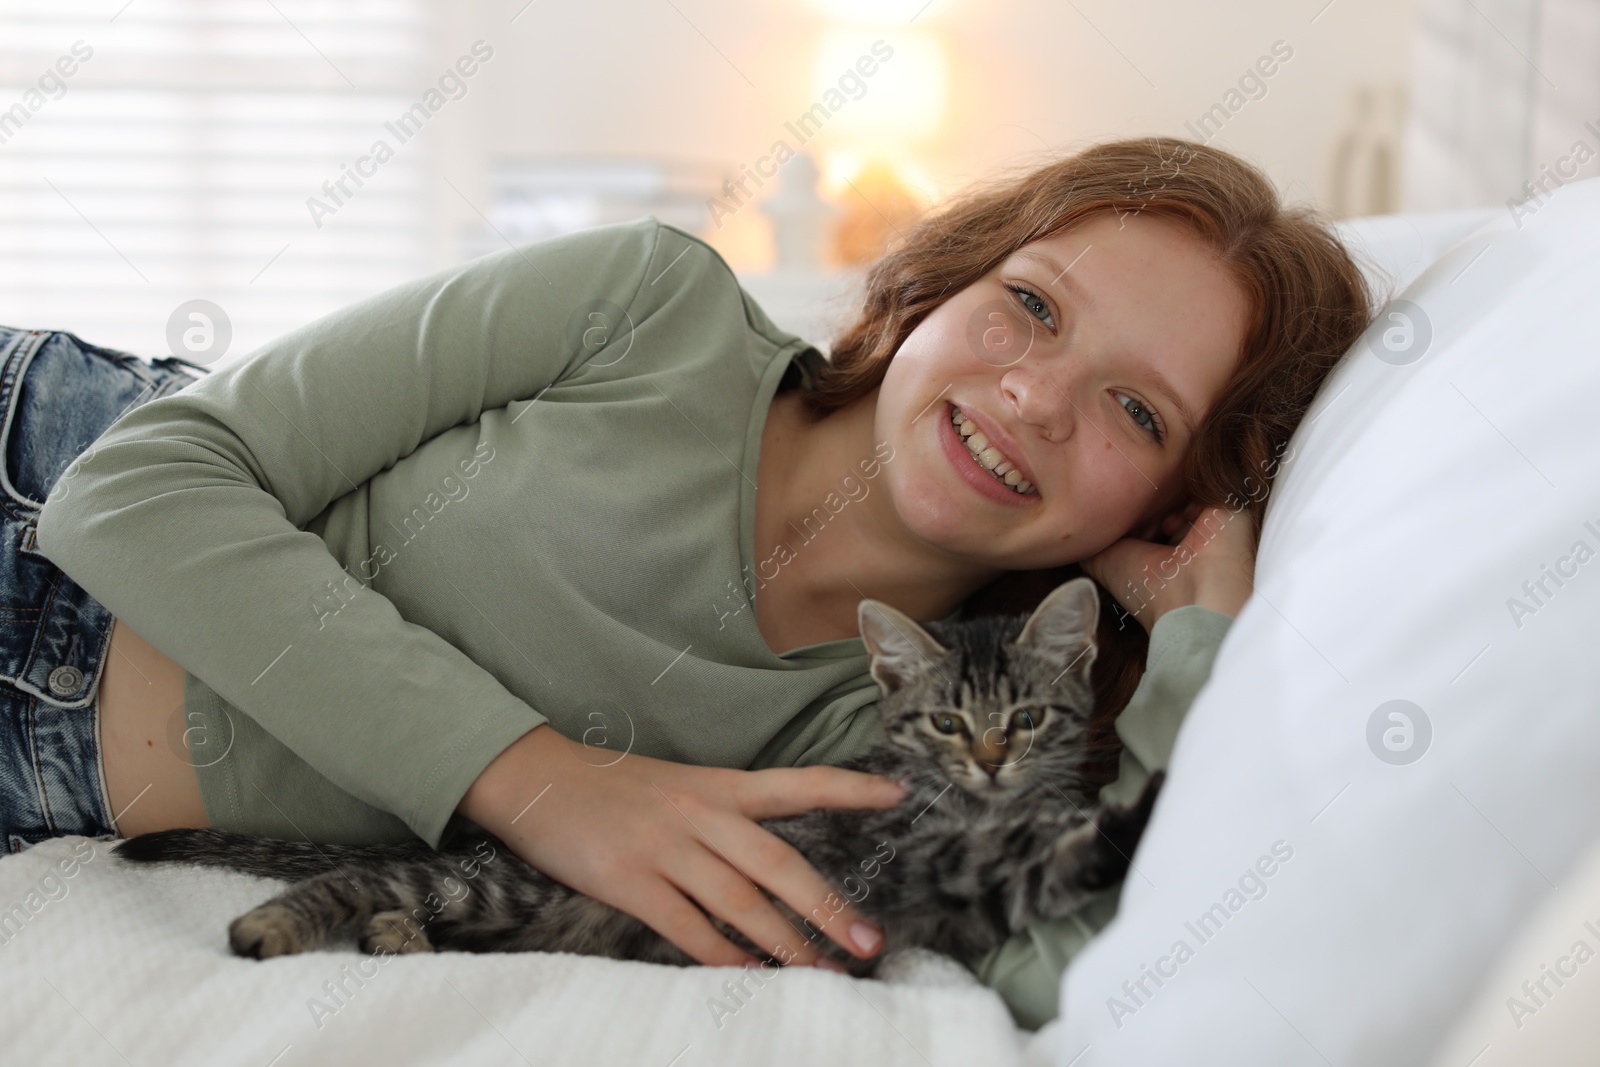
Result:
[518,491]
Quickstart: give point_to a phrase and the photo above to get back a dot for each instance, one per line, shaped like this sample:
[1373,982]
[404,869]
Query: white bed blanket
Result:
[128,965]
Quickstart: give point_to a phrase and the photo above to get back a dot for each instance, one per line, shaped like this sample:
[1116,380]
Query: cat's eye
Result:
[945,723]
[1027,719]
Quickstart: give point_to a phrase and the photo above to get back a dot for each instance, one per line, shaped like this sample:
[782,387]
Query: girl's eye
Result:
[945,723]
[1027,720]
[1034,303]
[1145,417]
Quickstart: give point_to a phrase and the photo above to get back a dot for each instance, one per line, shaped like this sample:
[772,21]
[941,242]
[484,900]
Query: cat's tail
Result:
[268,857]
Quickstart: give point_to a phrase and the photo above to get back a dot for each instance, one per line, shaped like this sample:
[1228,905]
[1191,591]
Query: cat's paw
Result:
[1075,866]
[268,931]
[1087,859]
[393,932]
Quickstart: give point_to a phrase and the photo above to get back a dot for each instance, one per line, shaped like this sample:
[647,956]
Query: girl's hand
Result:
[1212,565]
[662,840]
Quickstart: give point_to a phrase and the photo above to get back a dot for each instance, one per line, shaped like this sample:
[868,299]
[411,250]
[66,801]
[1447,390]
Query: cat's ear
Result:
[1062,627]
[900,649]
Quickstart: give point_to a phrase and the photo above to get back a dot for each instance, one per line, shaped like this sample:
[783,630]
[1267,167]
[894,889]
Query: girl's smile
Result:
[971,448]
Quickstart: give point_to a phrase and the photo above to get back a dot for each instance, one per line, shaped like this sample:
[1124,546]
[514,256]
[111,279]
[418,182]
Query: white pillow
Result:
[1356,899]
[1393,249]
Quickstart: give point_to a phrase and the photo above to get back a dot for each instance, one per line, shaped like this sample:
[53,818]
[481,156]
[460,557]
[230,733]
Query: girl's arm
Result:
[1206,578]
[187,518]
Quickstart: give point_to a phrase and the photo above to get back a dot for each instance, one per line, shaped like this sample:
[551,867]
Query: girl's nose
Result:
[1042,400]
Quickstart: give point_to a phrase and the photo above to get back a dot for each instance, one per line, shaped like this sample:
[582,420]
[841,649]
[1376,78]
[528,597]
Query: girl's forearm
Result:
[515,778]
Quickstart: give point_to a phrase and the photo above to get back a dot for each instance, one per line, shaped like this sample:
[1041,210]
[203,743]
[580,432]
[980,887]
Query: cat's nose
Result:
[991,756]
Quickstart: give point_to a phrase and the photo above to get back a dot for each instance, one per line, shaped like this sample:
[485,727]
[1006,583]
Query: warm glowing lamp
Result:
[870,168]
[903,101]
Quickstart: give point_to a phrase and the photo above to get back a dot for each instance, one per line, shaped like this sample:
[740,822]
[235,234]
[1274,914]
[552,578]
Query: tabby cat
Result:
[983,718]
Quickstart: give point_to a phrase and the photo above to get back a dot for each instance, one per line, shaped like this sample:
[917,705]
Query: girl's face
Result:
[1088,360]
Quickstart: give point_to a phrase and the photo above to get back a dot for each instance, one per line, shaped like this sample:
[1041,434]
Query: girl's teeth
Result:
[989,457]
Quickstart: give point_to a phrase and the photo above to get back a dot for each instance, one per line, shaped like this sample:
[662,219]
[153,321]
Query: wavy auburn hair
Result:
[1308,303]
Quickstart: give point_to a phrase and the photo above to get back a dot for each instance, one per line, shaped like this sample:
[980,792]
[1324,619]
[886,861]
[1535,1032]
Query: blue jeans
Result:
[57,395]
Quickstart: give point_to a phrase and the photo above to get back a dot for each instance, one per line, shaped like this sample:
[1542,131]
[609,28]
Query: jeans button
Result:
[65,680]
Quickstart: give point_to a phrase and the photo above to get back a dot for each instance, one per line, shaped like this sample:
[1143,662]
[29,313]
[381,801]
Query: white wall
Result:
[639,77]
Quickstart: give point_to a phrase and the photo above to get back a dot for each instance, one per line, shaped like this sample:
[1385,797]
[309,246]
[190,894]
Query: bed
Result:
[114,964]
[121,964]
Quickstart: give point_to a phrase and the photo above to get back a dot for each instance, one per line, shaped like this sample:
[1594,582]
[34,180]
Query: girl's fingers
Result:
[1180,523]
[1124,563]
[663,908]
[780,868]
[730,895]
[1230,529]
[778,791]
[1101,570]
[1178,514]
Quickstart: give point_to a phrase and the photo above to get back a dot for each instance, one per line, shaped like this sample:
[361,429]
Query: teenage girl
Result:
[555,542]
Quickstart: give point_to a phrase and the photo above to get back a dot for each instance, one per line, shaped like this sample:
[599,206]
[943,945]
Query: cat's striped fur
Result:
[1000,828]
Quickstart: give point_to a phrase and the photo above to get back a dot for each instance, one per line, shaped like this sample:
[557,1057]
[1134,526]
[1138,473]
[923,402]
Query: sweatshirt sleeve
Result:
[1026,970]
[186,517]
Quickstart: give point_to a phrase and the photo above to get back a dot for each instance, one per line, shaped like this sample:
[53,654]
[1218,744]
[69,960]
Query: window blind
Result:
[158,152]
